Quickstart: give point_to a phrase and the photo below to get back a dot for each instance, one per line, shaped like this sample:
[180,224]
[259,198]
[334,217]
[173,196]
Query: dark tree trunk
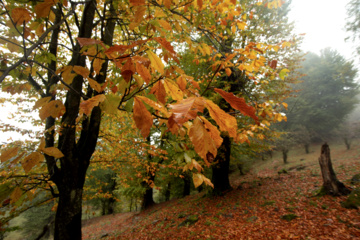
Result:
[306,148]
[148,200]
[187,185]
[76,147]
[168,191]
[240,167]
[331,185]
[285,155]
[220,170]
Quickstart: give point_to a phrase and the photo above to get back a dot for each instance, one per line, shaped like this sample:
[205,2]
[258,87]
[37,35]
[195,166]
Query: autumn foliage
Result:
[83,61]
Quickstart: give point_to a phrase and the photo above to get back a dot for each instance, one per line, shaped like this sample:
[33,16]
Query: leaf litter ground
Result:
[263,205]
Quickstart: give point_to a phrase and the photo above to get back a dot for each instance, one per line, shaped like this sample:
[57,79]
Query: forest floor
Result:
[260,206]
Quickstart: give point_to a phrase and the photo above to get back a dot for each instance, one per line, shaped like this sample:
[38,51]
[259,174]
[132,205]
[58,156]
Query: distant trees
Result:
[353,21]
[327,94]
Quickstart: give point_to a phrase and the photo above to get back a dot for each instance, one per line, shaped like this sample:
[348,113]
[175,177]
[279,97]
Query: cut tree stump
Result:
[331,185]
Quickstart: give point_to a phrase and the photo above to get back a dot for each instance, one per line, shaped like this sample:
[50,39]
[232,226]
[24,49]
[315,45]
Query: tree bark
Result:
[331,185]
[306,148]
[148,200]
[285,156]
[187,185]
[220,171]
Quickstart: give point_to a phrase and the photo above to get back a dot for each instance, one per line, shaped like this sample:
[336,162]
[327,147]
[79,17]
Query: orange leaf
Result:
[167,3]
[225,121]
[186,110]
[181,82]
[142,117]
[88,105]
[53,152]
[172,89]
[165,44]
[144,72]
[31,161]
[20,15]
[159,91]
[213,131]
[238,103]
[9,153]
[54,109]
[202,141]
[165,24]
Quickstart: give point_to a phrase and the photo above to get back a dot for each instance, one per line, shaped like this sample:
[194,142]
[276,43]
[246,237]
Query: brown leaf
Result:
[142,117]
[238,103]
[128,70]
[163,42]
[43,9]
[16,195]
[157,106]
[137,2]
[83,71]
[20,15]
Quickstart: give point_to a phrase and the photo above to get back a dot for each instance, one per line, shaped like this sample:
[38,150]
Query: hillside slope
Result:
[263,205]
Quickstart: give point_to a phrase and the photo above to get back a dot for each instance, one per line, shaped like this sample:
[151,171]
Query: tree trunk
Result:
[187,185]
[347,143]
[331,185]
[168,191]
[220,171]
[148,200]
[306,148]
[285,156]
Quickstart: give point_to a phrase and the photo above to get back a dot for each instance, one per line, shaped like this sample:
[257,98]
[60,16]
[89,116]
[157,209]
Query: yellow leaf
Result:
[97,63]
[156,61]
[94,85]
[196,165]
[181,82]
[15,195]
[204,145]
[9,153]
[66,74]
[198,180]
[225,121]
[53,108]
[31,161]
[142,117]
[213,131]
[41,102]
[110,105]
[53,152]
[138,80]
[88,105]
[172,89]
[157,106]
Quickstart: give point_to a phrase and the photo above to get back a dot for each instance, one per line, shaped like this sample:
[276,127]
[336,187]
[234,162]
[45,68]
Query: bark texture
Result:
[220,171]
[331,185]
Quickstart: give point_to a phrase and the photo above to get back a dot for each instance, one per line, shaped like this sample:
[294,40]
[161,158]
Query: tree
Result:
[327,96]
[80,59]
[353,22]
